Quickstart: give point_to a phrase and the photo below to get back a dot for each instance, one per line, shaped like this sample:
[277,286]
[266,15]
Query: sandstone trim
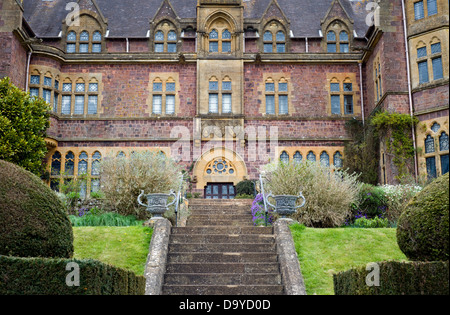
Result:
[157,257]
[289,264]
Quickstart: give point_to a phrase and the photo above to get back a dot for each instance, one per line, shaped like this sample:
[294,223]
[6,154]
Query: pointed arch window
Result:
[69,166]
[298,157]
[284,157]
[436,151]
[56,164]
[337,160]
[96,159]
[429,144]
[95,171]
[55,171]
[443,142]
[324,159]
[311,157]
[82,163]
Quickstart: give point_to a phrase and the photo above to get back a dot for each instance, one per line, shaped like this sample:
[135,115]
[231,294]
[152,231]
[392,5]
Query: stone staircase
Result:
[220,252]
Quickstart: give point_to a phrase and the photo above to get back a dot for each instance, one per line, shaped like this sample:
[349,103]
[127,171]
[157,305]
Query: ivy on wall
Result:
[362,153]
[394,130]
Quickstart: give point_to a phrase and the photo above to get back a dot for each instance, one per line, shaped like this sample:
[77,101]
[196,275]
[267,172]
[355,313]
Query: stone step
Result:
[221,247]
[220,217]
[222,268]
[223,290]
[218,211]
[222,279]
[222,230]
[248,257]
[234,202]
[200,222]
[221,238]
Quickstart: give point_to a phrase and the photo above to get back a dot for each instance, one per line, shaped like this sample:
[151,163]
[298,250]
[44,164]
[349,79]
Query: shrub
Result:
[123,178]
[397,197]
[376,222]
[33,220]
[23,123]
[396,278]
[43,276]
[329,193]
[105,219]
[423,227]
[371,201]
[246,187]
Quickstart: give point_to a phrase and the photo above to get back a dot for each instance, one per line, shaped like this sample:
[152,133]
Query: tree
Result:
[23,124]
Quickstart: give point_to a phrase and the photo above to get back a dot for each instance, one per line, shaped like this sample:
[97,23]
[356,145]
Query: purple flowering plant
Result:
[258,212]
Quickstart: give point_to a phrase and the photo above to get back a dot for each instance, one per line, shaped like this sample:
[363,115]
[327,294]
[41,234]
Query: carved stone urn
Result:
[157,203]
[285,204]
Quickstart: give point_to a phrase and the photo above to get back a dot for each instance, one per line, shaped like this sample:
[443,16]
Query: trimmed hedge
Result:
[396,278]
[47,276]
[34,222]
[423,227]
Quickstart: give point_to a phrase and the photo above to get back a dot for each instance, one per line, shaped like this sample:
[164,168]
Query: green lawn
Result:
[124,247]
[323,252]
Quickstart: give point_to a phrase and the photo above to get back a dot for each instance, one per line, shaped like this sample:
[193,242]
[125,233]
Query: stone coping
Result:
[157,256]
[289,264]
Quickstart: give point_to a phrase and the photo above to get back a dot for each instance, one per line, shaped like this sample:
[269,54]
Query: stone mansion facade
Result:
[225,86]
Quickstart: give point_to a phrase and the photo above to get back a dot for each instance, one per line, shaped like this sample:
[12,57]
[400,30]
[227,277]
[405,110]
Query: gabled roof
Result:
[131,18]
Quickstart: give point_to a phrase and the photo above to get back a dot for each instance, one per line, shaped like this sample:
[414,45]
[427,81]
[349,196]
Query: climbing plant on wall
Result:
[394,130]
[362,153]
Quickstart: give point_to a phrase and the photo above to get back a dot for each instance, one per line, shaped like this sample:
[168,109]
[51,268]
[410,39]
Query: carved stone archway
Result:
[219,165]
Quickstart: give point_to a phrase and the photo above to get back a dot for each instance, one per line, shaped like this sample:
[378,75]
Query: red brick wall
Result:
[431,98]
[309,95]
[391,50]
[298,129]
[13,59]
[126,87]
[115,129]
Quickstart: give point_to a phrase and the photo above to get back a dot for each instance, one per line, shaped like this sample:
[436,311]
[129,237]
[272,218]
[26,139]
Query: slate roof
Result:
[131,18]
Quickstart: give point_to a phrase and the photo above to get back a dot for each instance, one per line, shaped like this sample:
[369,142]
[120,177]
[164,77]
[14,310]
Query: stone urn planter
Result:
[157,203]
[285,204]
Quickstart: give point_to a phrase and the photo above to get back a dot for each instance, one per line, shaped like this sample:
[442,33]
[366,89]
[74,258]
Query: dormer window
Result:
[85,45]
[71,42]
[274,38]
[343,42]
[96,42]
[337,38]
[84,42]
[165,38]
[331,42]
